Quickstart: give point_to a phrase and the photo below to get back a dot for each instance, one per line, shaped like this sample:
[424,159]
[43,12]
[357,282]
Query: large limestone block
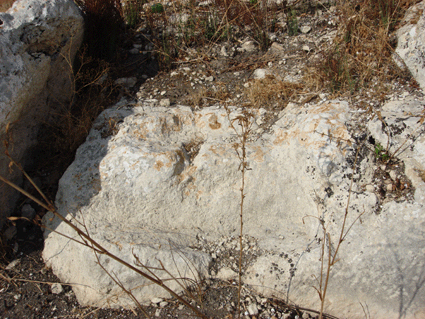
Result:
[38,42]
[149,176]
[411,42]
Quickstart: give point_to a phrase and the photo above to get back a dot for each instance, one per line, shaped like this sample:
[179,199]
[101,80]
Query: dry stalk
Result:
[244,121]
[89,242]
[332,257]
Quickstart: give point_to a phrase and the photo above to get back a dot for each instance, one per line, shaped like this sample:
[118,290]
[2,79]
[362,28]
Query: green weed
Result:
[132,11]
[381,153]
[157,8]
[292,22]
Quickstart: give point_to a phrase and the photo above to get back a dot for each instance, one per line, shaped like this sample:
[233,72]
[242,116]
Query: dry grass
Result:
[271,93]
[361,54]
[203,96]
[90,97]
[183,26]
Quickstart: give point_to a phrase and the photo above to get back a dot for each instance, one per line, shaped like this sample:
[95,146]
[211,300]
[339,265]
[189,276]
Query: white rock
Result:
[227,273]
[252,309]
[148,186]
[305,29]
[36,38]
[306,48]
[12,264]
[223,51]
[56,288]
[276,49]
[261,73]
[248,46]
[411,42]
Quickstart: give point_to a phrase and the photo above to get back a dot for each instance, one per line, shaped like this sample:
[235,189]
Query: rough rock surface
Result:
[164,182]
[38,41]
[411,42]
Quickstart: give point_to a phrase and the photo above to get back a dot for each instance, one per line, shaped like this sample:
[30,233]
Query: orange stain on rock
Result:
[213,122]
[158,165]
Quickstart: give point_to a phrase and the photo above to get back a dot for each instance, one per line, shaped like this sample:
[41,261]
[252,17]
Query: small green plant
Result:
[381,153]
[292,22]
[157,8]
[131,11]
[167,51]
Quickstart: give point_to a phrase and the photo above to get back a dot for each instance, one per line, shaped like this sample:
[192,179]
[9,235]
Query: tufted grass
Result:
[361,54]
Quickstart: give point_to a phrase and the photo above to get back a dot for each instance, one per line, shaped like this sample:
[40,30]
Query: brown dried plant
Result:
[329,256]
[272,93]
[361,53]
[244,123]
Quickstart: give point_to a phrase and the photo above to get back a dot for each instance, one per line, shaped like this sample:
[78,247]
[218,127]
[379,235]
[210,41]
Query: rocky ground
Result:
[234,72]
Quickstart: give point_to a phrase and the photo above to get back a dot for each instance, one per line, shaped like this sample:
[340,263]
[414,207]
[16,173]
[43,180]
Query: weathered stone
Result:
[248,46]
[261,73]
[305,29]
[276,49]
[56,288]
[252,309]
[38,41]
[411,42]
[166,178]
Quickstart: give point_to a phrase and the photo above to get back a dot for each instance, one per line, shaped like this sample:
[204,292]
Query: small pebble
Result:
[305,29]
[12,264]
[252,309]
[56,288]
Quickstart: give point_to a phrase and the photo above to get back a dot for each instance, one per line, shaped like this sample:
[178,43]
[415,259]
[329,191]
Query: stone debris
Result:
[56,288]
